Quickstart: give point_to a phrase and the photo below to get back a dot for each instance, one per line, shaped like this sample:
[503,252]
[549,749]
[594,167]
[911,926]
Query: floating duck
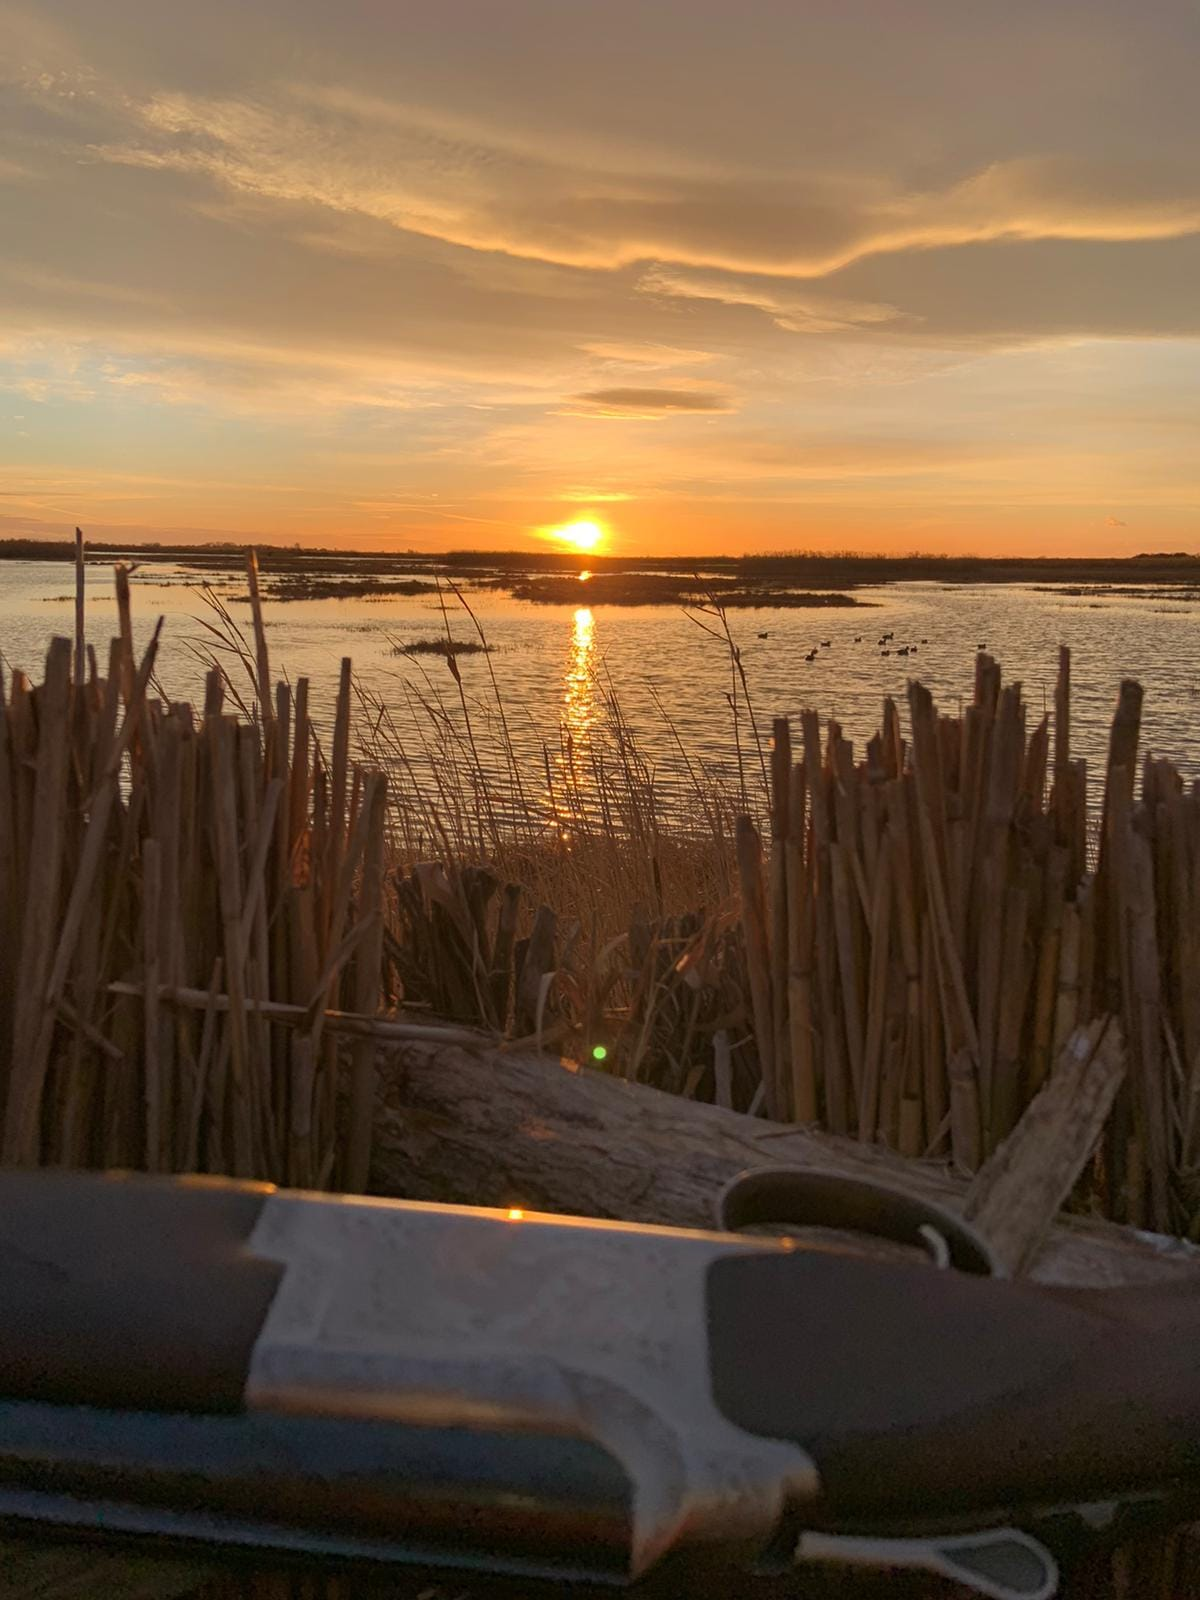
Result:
[764,636]
[825,643]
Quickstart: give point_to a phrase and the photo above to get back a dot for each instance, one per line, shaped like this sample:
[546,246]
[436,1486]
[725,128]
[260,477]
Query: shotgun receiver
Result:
[547,1399]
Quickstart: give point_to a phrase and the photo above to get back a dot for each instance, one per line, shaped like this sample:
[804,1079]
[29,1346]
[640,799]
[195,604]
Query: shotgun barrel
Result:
[550,1398]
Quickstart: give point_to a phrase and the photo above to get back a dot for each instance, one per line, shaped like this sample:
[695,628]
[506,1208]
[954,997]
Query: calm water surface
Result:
[551,662]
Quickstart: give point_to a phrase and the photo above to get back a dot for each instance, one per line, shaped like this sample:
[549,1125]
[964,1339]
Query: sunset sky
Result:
[716,276]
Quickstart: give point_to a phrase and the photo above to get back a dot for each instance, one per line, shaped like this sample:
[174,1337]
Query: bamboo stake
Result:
[758,959]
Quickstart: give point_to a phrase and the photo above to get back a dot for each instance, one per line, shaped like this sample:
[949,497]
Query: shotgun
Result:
[539,1400]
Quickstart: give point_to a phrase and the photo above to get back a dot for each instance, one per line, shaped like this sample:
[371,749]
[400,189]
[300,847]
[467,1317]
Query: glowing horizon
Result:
[371,282]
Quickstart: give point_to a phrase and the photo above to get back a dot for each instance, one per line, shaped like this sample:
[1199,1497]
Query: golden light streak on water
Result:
[579,688]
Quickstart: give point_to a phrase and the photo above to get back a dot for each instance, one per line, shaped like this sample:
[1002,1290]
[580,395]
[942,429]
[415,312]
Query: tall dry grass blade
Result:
[80,637]
[262,662]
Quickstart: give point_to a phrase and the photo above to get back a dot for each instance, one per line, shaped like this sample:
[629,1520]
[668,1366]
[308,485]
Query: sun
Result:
[579,535]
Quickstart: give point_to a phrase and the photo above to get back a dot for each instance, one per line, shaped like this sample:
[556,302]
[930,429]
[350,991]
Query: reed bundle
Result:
[192,914]
[927,931]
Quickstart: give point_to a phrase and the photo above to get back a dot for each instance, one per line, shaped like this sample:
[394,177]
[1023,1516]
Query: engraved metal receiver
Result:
[536,1398]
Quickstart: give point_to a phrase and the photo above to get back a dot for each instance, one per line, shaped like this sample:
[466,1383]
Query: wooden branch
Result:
[358,1026]
[1016,1195]
[486,1127]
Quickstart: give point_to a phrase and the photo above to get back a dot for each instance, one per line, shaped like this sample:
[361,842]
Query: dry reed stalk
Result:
[222,733]
[262,664]
[125,627]
[336,832]
[758,961]
[22,732]
[368,963]
[1002,1114]
[877,997]
[1042,1042]
[946,935]
[139,842]
[43,847]
[962,1040]
[9,888]
[804,1086]
[1118,790]
[152,1071]
[831,1069]
[781,777]
[80,638]
[848,968]
[1063,798]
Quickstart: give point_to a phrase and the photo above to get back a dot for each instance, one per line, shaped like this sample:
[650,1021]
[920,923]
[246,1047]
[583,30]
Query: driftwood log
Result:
[492,1127]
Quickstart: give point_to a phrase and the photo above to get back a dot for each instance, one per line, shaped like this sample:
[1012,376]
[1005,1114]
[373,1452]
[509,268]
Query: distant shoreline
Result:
[798,579]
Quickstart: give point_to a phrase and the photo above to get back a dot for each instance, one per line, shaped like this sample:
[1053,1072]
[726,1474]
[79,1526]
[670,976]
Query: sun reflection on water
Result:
[580,712]
[579,690]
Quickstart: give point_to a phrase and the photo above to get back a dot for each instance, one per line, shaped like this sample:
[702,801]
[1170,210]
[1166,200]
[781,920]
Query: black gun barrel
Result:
[550,1397]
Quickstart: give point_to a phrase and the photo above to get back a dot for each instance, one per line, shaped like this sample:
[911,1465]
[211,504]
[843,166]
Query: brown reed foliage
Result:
[928,931]
[191,914]
[196,906]
[578,902]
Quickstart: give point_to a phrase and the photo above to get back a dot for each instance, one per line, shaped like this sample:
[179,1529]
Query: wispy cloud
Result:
[792,307]
[358,156]
[828,264]
[653,402]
